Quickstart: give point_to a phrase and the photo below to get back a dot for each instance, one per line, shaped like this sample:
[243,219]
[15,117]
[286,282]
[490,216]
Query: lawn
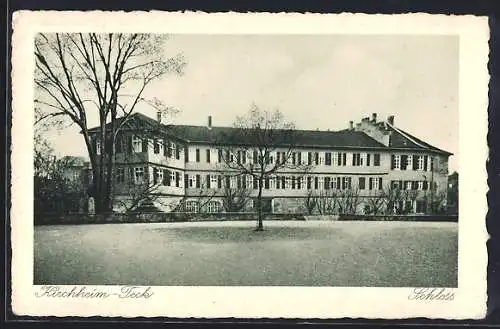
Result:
[315,253]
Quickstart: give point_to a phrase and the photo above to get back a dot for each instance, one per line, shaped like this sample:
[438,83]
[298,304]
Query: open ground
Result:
[287,253]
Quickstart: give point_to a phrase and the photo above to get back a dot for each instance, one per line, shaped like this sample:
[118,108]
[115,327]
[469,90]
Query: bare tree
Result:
[348,200]
[375,203]
[77,74]
[326,201]
[235,198]
[261,144]
[310,202]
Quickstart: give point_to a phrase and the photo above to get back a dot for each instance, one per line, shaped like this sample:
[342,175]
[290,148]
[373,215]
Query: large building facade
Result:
[181,168]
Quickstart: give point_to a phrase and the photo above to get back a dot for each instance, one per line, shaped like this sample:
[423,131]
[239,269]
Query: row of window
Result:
[137,144]
[411,162]
[172,178]
[413,185]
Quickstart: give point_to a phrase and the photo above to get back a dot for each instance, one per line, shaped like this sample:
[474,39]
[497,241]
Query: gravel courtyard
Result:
[314,253]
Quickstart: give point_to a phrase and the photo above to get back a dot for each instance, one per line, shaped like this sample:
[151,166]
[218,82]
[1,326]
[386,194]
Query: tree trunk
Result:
[260,225]
[108,197]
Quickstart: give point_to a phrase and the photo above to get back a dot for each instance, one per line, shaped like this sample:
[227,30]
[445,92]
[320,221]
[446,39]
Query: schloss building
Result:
[183,163]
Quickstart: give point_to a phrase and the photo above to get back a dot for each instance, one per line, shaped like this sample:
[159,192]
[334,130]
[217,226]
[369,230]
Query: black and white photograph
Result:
[295,160]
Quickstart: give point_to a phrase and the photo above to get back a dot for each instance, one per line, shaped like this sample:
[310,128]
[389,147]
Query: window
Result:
[213,206]
[327,183]
[420,162]
[309,158]
[328,158]
[341,159]
[208,155]
[177,179]
[346,183]
[137,144]
[192,206]
[408,185]
[376,159]
[309,181]
[356,159]
[316,182]
[157,176]
[420,185]
[139,175]
[197,155]
[214,181]
[396,161]
[409,162]
[198,181]
[98,146]
[120,175]
[192,181]
[377,183]
[316,158]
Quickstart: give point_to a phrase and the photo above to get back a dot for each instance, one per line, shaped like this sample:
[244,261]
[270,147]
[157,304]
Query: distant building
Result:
[184,161]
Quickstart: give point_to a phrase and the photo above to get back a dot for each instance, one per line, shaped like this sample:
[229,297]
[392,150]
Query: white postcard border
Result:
[261,302]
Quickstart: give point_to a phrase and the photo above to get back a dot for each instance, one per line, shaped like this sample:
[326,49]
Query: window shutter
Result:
[353,162]
[415,162]
[219,181]
[165,147]
[392,161]
[299,158]
[404,162]
[425,163]
[338,183]
[186,180]
[198,181]
[370,183]
[208,181]
[380,183]
[255,157]
[425,185]
[144,145]
[166,177]
[118,143]
[362,183]
[368,159]
[326,183]
[344,160]
[228,182]
[339,159]
[146,174]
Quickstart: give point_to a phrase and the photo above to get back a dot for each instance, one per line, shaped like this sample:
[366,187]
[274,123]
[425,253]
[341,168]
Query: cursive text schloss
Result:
[431,294]
[86,292]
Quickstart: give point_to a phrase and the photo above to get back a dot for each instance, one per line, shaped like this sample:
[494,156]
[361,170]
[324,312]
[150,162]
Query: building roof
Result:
[347,138]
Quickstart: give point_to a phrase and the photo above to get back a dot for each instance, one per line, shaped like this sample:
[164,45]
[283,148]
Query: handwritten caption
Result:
[125,292]
[431,294]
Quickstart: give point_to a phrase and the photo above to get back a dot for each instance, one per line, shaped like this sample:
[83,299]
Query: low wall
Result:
[169,217]
[408,218]
[246,216]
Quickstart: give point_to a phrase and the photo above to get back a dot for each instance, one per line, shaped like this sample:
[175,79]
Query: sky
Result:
[317,81]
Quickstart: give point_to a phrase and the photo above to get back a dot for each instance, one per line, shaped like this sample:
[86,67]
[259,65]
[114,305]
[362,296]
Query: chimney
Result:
[351,125]
[209,121]
[390,120]
[159,117]
[374,117]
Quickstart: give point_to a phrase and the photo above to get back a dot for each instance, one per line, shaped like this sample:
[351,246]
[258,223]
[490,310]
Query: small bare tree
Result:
[235,198]
[261,144]
[348,200]
[375,203]
[326,201]
[310,202]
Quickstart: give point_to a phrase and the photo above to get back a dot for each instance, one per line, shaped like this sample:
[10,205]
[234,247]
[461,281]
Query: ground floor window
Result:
[192,206]
[213,206]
